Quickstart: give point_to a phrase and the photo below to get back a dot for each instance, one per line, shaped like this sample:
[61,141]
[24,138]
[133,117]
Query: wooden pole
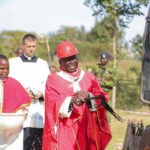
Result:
[114,65]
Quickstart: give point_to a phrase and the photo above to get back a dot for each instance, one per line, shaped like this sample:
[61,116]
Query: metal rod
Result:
[43,38]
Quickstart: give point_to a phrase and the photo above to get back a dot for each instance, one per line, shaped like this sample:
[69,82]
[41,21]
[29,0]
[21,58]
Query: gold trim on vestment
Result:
[75,138]
[56,147]
[100,123]
[94,133]
[1,96]
[21,106]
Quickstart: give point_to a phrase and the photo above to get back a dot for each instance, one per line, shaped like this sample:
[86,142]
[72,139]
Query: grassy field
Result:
[118,129]
[125,65]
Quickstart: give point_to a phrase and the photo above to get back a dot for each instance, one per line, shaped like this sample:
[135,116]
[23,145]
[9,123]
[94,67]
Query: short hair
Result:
[3,57]
[29,37]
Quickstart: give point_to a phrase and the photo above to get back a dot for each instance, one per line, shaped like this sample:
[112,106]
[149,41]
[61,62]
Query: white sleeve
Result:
[45,74]
[65,107]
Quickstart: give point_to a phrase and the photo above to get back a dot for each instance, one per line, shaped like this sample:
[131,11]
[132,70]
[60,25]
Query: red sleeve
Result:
[54,96]
[15,96]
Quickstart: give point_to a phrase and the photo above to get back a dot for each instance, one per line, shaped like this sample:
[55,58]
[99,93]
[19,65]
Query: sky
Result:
[44,16]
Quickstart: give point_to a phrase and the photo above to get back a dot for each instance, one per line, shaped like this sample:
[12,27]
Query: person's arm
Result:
[65,109]
[33,93]
[78,99]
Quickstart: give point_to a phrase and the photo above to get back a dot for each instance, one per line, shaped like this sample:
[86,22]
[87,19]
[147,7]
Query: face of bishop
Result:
[69,64]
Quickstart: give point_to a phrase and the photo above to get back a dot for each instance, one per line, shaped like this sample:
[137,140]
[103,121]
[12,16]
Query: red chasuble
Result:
[14,96]
[83,130]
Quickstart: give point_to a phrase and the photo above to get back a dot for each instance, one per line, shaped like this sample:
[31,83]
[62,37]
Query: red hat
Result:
[66,49]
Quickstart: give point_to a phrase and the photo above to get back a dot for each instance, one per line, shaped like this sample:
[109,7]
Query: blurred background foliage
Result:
[90,45]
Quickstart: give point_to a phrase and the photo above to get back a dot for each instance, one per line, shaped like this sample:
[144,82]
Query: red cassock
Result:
[14,96]
[83,130]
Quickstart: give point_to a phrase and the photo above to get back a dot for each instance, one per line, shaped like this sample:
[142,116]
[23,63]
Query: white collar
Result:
[29,58]
[74,80]
[70,78]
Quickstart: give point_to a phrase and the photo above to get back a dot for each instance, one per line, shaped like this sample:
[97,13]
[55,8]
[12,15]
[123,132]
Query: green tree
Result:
[71,33]
[9,41]
[100,34]
[82,34]
[120,12]
[137,46]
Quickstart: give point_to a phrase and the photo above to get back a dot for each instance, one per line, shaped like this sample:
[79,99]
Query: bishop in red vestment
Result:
[12,94]
[70,124]
[13,97]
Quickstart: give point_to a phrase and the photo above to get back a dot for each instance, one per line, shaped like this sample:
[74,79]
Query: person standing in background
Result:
[32,73]
[106,73]
[19,51]
[107,77]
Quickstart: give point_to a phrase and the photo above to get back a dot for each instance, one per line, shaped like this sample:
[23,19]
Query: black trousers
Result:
[32,138]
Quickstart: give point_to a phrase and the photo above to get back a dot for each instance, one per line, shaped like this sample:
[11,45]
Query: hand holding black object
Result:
[79,98]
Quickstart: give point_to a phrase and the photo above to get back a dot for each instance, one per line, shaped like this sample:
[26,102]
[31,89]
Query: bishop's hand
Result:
[79,98]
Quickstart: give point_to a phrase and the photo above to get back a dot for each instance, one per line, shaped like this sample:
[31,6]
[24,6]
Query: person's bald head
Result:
[19,51]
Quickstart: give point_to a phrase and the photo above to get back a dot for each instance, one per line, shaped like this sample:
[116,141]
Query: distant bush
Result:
[128,88]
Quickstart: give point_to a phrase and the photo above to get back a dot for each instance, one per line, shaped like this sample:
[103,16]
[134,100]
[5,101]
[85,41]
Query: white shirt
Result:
[30,74]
